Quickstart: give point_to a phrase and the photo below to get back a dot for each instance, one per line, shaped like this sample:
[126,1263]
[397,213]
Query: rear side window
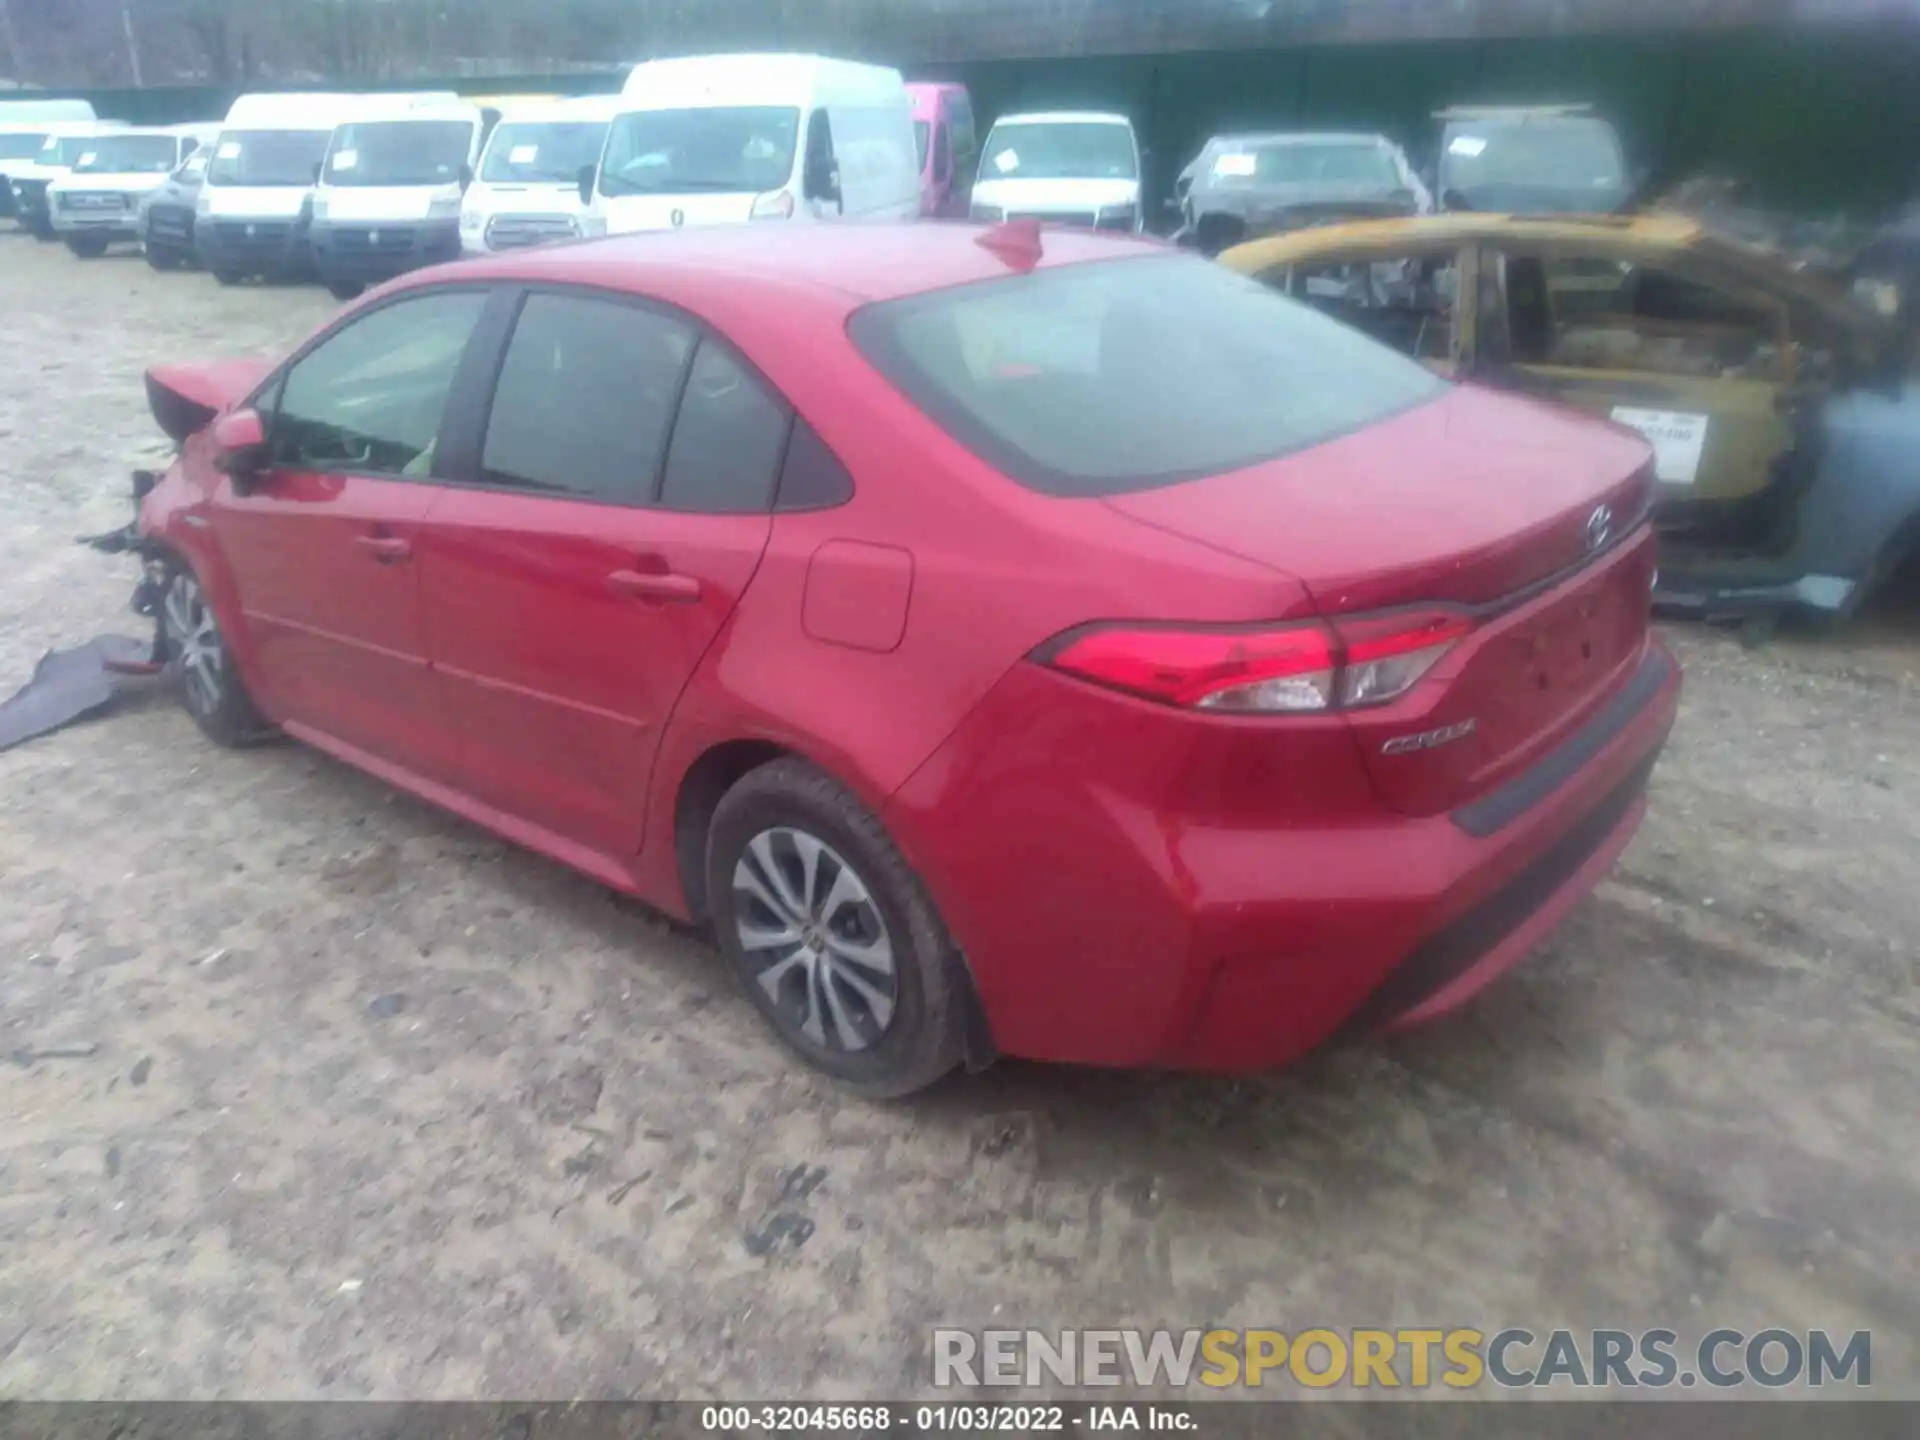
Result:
[585,399]
[1127,374]
[727,442]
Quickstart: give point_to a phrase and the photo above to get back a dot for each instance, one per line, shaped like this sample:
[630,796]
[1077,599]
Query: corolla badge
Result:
[1428,739]
[1599,527]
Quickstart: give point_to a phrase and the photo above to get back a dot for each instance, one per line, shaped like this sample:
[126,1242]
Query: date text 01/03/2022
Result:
[944,1419]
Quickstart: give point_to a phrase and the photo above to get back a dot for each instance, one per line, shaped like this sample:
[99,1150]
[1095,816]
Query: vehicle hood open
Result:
[185,398]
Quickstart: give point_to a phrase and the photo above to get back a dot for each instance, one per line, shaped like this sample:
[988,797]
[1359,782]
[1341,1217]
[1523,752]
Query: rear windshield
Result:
[1104,378]
[129,155]
[267,157]
[400,152]
[529,152]
[723,149]
[20,147]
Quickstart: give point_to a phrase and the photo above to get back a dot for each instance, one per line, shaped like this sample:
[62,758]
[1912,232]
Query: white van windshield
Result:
[128,155]
[527,152]
[267,157]
[60,151]
[19,146]
[735,149]
[399,152]
[1063,150]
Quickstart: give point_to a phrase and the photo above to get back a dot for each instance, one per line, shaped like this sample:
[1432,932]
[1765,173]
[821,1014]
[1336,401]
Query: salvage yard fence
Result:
[1815,119]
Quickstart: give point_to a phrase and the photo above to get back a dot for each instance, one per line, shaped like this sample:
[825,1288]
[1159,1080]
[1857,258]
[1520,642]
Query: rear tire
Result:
[345,289]
[831,934]
[87,247]
[201,665]
[227,277]
[161,258]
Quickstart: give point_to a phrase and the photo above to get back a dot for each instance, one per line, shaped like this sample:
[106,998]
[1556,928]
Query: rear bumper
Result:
[364,254]
[1191,941]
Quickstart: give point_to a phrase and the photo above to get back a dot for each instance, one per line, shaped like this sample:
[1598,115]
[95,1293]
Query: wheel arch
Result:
[706,782]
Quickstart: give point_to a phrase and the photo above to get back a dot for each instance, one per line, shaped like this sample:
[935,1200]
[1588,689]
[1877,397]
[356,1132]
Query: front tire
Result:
[345,289]
[831,934]
[87,247]
[202,666]
[227,277]
[161,258]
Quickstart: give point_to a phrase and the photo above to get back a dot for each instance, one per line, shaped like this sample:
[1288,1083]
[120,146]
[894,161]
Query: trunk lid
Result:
[1475,500]
[185,398]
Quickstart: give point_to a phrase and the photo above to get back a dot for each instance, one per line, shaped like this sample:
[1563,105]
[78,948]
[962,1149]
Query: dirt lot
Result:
[381,1107]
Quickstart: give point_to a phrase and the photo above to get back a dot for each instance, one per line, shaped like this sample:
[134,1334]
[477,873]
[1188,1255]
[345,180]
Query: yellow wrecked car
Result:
[1784,425]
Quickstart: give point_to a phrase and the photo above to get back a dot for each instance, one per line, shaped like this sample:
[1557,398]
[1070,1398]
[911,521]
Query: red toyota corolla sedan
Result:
[1009,644]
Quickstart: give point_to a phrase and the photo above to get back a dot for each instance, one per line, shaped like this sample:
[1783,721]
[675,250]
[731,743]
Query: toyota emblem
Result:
[1599,527]
[679,218]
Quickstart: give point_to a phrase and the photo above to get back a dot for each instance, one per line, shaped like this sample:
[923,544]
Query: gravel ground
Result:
[376,1106]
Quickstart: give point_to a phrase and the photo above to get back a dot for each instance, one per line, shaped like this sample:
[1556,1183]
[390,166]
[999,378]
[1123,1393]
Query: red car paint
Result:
[1131,883]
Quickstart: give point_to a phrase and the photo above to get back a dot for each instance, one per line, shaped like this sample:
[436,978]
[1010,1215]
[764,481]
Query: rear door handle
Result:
[642,585]
[387,549]
[678,589]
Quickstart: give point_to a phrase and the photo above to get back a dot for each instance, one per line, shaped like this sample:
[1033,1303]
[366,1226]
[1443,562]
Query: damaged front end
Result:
[155,569]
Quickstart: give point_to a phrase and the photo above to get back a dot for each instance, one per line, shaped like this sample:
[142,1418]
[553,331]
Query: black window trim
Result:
[463,424]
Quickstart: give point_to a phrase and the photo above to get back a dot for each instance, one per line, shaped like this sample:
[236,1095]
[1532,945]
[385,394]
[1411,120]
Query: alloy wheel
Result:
[814,939]
[198,653]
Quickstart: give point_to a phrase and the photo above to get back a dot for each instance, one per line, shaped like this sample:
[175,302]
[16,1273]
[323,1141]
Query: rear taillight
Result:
[1349,663]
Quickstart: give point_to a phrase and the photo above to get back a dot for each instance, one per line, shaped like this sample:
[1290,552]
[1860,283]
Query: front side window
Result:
[267,157]
[1406,303]
[368,399]
[586,399]
[535,151]
[1061,150]
[399,152]
[1121,375]
[724,149]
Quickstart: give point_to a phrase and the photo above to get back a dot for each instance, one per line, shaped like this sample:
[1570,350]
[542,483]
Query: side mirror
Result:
[585,179]
[239,443]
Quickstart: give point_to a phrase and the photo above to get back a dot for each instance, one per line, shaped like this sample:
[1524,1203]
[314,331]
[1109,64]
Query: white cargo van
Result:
[723,139]
[252,215]
[23,130]
[1061,168]
[98,201]
[527,191]
[389,195]
[61,143]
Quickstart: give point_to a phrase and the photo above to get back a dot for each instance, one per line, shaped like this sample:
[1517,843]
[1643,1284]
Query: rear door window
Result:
[586,399]
[728,440]
[1102,378]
